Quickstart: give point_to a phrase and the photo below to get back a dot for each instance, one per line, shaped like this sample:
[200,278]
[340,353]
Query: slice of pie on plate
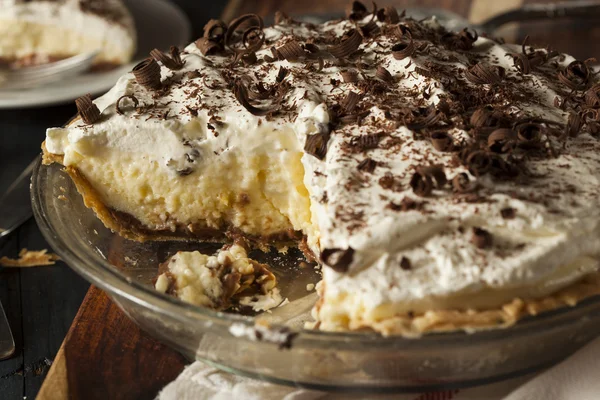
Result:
[40,31]
[444,181]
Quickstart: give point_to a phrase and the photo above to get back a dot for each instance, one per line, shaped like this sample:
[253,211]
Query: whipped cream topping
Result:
[98,25]
[408,253]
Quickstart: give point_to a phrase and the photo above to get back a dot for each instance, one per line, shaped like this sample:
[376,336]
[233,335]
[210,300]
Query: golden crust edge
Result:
[439,321]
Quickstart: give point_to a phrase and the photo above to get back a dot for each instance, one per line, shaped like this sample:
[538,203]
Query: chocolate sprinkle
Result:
[461,183]
[88,111]
[338,259]
[405,264]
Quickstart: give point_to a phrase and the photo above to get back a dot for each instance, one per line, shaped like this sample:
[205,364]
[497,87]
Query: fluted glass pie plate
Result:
[328,361]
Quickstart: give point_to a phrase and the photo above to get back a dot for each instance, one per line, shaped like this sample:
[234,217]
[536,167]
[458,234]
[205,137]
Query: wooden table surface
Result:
[42,302]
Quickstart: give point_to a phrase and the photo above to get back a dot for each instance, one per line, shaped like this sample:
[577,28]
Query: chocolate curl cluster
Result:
[213,40]
[245,36]
[172,61]
[462,40]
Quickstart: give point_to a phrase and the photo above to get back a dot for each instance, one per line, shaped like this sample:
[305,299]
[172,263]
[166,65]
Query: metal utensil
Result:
[15,204]
[7,342]
[26,78]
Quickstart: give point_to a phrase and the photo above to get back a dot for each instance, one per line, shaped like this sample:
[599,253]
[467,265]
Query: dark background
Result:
[41,302]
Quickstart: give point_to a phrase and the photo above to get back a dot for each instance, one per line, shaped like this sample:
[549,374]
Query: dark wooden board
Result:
[106,356]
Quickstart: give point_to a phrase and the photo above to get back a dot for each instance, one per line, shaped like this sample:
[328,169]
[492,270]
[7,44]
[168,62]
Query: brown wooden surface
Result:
[105,356]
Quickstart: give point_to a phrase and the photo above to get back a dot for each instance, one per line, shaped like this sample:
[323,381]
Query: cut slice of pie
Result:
[39,31]
[444,181]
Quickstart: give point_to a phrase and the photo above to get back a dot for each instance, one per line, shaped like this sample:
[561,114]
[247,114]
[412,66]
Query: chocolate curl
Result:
[120,111]
[88,111]
[481,74]
[173,62]
[350,43]
[147,74]
[404,49]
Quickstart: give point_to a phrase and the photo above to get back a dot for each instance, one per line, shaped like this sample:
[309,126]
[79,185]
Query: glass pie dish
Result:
[280,350]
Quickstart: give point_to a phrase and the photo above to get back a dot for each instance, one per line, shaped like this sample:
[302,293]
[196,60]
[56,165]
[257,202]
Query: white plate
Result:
[159,24]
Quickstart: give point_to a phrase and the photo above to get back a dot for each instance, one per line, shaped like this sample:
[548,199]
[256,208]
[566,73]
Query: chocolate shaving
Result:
[370,29]
[388,15]
[357,11]
[405,264]
[421,184]
[281,74]
[349,44]
[215,30]
[436,172]
[291,51]
[338,259]
[441,141]
[481,238]
[403,49]
[481,74]
[252,38]
[316,145]
[461,183]
[349,76]
[462,40]
[241,94]
[208,47]
[136,103]
[522,63]
[529,134]
[574,124]
[384,75]
[174,62]
[366,142]
[350,101]
[367,165]
[485,117]
[479,162]
[501,140]
[508,213]
[147,74]
[88,111]
[591,96]
[576,75]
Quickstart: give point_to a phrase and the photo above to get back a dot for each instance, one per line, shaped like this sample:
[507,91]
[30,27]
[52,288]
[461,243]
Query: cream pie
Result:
[39,31]
[443,180]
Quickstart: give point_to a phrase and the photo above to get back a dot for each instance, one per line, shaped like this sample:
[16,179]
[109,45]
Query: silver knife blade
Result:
[7,343]
[15,203]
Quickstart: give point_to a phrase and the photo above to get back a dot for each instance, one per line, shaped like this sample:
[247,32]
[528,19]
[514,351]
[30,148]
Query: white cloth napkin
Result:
[577,378]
